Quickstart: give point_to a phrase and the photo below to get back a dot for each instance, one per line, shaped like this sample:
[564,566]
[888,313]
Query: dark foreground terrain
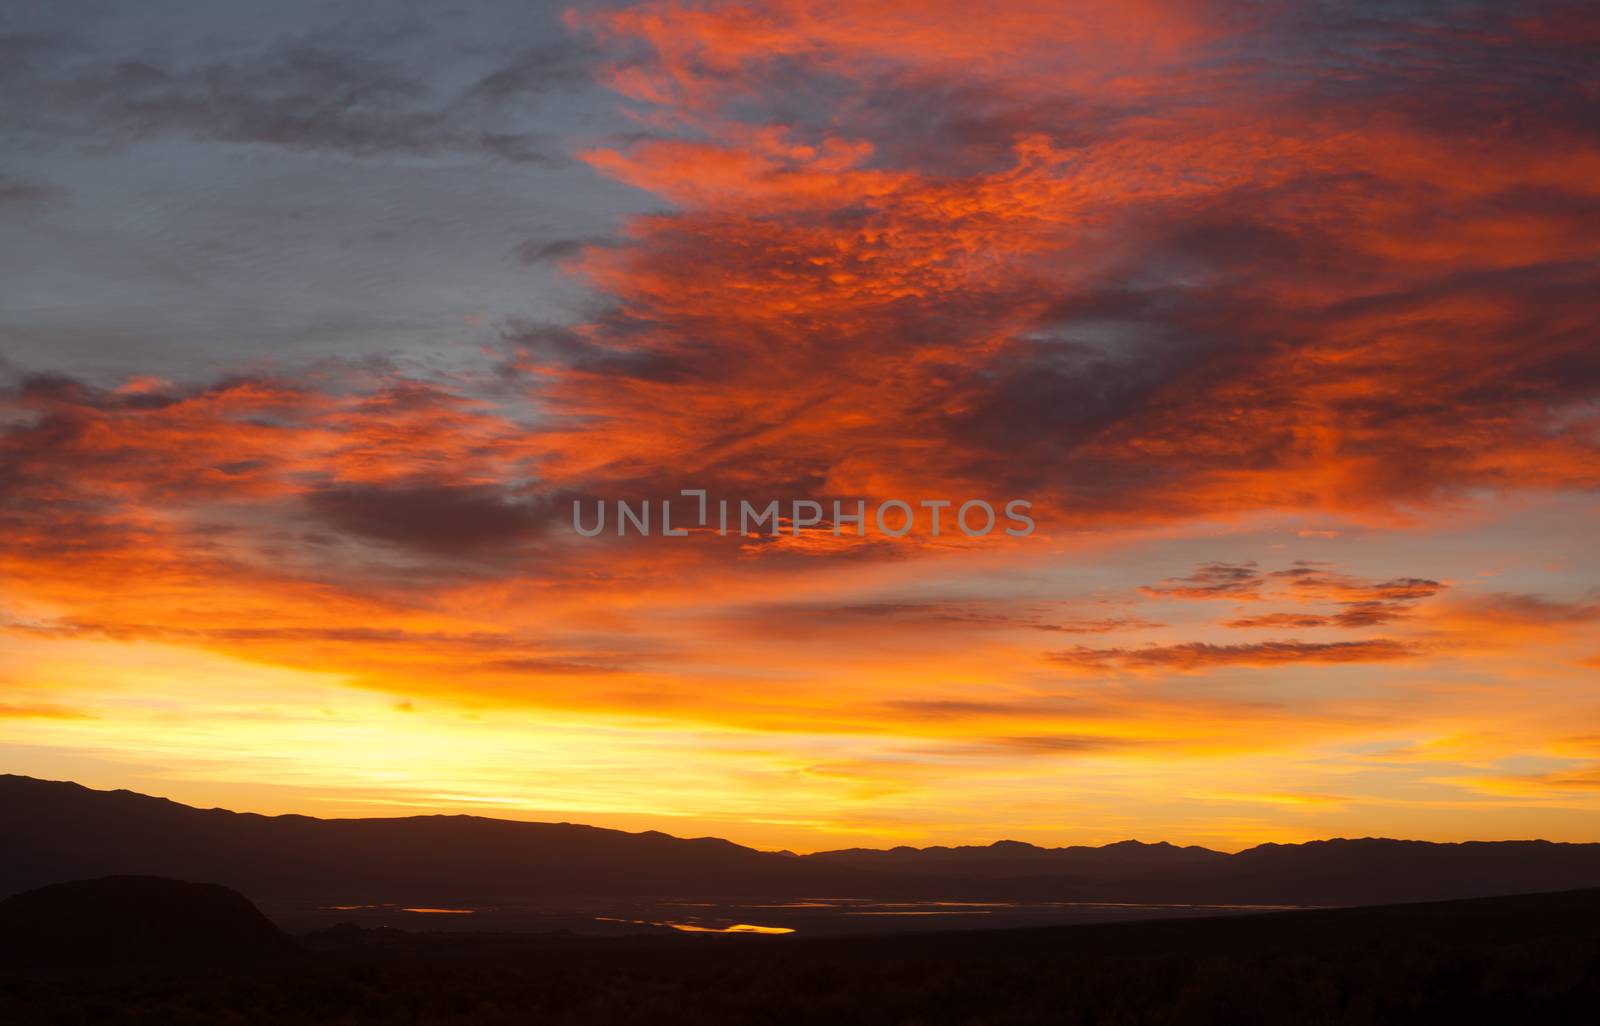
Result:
[1526,959]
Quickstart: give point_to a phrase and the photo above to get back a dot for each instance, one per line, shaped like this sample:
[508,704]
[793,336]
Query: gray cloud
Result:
[435,518]
[300,96]
[18,192]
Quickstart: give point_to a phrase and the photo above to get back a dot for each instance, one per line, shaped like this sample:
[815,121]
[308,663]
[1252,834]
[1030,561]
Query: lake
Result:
[746,917]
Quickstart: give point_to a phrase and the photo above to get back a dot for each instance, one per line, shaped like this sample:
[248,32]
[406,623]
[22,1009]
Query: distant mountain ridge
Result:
[64,831]
[59,831]
[1006,858]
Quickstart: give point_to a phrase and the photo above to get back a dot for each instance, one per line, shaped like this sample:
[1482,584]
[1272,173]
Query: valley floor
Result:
[1532,959]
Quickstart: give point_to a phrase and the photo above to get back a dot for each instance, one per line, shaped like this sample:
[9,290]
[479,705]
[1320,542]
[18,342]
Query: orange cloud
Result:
[1211,581]
[53,712]
[1198,655]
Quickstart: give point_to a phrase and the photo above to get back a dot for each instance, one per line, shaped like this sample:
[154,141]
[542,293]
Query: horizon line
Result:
[786,851]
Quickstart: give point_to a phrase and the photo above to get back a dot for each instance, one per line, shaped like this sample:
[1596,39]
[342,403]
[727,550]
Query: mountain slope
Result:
[129,920]
[1333,872]
[59,831]
[65,831]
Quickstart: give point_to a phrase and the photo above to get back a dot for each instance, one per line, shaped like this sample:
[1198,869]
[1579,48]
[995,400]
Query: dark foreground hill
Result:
[134,920]
[1533,960]
[57,831]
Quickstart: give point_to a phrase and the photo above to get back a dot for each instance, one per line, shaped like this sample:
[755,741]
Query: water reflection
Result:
[735,928]
[699,928]
[811,917]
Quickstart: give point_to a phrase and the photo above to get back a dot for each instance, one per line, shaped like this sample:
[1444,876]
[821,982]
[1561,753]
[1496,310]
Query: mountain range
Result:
[56,831]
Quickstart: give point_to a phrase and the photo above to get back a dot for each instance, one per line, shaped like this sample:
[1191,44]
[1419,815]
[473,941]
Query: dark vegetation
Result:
[1532,959]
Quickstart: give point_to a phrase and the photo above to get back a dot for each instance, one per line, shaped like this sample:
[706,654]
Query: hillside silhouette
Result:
[134,920]
[57,831]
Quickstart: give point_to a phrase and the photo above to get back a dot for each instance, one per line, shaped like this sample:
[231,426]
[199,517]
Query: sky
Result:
[317,319]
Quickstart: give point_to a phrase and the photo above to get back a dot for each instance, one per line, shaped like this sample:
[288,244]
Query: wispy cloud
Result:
[1199,655]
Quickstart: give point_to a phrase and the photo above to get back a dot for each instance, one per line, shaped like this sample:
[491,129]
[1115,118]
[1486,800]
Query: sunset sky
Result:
[315,319]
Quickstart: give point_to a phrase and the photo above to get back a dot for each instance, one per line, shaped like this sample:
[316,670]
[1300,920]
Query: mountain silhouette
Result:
[61,831]
[1018,858]
[57,831]
[134,920]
